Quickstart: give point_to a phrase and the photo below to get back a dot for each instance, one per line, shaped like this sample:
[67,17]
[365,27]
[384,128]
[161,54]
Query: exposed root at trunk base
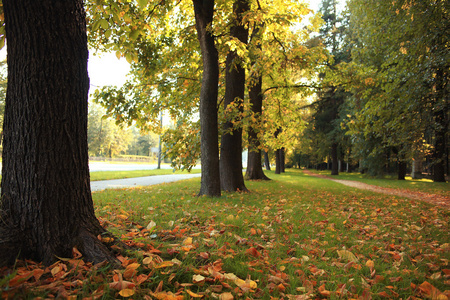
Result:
[93,249]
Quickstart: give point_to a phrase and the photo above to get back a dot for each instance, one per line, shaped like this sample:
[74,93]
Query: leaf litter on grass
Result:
[287,239]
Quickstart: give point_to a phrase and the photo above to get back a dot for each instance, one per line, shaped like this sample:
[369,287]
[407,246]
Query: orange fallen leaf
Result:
[192,294]
[126,293]
[370,264]
[253,252]
[253,231]
[164,264]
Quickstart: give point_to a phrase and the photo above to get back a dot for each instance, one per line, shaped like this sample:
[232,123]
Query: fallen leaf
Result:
[347,255]
[198,279]
[192,294]
[164,264]
[370,264]
[151,225]
[126,293]
[226,296]
[253,252]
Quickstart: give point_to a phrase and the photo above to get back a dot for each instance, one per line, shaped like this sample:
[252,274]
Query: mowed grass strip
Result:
[295,237]
[416,185]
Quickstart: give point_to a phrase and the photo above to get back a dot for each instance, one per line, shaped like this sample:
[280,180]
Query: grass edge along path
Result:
[295,237]
[441,199]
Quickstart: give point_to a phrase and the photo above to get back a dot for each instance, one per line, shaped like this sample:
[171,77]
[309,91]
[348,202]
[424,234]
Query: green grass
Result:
[108,175]
[284,236]
[419,185]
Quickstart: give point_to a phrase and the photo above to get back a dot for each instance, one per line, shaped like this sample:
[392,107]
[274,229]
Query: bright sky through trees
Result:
[106,69]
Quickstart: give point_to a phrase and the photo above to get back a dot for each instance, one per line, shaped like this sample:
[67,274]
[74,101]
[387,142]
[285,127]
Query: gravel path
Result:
[435,199]
[139,181]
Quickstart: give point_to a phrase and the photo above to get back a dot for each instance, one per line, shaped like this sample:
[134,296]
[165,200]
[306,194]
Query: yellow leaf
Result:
[147,260]
[164,264]
[192,294]
[226,296]
[126,293]
[370,264]
[347,255]
[187,241]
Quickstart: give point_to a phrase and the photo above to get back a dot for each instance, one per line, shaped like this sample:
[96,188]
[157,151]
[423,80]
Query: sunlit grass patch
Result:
[293,236]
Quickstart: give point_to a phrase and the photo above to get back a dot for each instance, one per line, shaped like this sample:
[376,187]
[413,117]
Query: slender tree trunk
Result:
[231,177]
[46,206]
[277,154]
[278,161]
[401,174]
[417,166]
[441,128]
[209,136]
[266,160]
[254,166]
[334,159]
[282,160]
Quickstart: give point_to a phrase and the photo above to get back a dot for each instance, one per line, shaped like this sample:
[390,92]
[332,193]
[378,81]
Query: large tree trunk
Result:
[210,182]
[334,159]
[46,206]
[231,177]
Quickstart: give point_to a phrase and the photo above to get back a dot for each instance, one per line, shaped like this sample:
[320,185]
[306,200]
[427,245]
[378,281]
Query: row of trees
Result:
[387,101]
[255,61]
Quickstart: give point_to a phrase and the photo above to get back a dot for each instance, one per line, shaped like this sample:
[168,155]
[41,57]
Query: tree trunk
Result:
[266,160]
[334,159]
[282,160]
[401,174]
[417,166]
[46,206]
[254,166]
[278,161]
[209,136]
[231,177]
[441,128]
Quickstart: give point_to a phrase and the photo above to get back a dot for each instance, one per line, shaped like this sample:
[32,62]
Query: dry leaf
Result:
[226,296]
[347,255]
[192,294]
[126,293]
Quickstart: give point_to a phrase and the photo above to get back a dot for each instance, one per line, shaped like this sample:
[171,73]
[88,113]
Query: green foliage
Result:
[398,92]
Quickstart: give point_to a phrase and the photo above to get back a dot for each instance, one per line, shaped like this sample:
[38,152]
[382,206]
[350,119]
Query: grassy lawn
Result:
[108,175]
[420,185]
[295,237]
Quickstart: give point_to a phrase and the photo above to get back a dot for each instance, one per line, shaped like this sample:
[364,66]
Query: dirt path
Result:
[439,200]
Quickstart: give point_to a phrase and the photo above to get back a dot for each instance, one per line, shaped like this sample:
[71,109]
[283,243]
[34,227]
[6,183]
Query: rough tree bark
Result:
[231,177]
[210,182]
[46,207]
[254,165]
